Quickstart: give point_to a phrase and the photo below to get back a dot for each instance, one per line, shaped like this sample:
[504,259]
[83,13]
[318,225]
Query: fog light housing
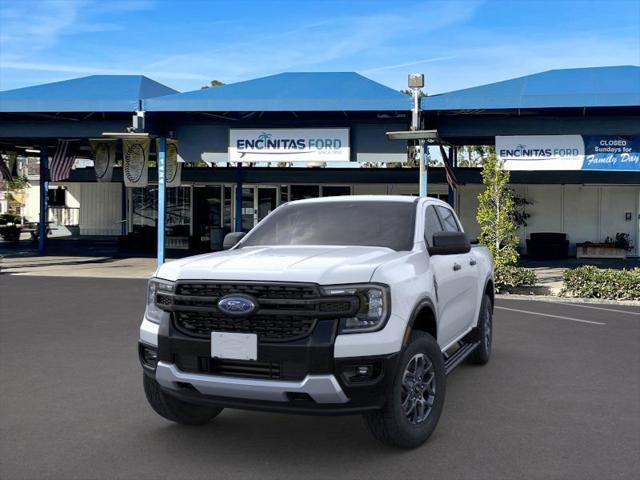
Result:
[361,373]
[148,356]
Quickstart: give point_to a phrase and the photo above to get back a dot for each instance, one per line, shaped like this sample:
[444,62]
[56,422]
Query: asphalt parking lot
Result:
[559,399]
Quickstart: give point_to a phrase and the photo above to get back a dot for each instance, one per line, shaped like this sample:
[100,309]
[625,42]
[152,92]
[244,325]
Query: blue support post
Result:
[162,191]
[424,162]
[44,199]
[238,227]
[123,209]
[453,161]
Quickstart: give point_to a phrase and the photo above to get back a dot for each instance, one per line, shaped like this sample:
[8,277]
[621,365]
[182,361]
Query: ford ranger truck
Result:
[340,305]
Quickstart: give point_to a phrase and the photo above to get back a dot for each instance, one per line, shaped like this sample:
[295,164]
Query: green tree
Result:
[474,155]
[213,83]
[496,213]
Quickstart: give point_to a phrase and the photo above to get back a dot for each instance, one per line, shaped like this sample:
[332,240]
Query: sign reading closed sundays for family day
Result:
[569,152]
[289,145]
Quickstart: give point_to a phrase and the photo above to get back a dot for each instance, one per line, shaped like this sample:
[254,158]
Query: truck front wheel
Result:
[174,409]
[414,404]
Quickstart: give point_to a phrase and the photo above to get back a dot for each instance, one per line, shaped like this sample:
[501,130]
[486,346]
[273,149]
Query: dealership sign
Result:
[289,145]
[612,153]
[541,152]
[569,152]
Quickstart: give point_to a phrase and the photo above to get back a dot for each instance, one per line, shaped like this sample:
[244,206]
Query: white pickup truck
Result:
[340,305]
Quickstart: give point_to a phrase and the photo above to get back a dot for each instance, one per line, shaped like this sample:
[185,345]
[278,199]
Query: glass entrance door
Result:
[257,203]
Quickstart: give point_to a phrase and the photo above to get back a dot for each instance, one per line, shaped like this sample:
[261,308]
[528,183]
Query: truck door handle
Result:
[472,262]
[456,267]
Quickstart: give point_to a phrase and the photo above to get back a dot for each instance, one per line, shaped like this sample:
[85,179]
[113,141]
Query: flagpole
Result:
[416,82]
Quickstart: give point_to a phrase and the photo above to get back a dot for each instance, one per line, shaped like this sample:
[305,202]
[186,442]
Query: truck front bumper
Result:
[301,376]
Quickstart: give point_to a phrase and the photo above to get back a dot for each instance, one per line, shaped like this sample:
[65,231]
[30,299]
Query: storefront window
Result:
[144,207]
[178,207]
[335,190]
[299,192]
[226,214]
[144,214]
[284,194]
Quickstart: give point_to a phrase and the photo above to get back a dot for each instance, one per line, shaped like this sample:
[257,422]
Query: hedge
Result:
[506,277]
[592,282]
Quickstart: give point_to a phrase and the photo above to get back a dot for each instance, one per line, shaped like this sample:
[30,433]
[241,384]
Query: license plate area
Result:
[234,346]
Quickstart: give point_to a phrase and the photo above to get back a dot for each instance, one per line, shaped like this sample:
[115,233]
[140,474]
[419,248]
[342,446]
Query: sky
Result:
[185,44]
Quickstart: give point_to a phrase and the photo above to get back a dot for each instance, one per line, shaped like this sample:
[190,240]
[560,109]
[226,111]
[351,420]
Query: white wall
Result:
[100,208]
[583,212]
[32,202]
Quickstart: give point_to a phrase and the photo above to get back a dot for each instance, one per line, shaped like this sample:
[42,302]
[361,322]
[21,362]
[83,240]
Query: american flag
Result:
[4,170]
[62,161]
[451,176]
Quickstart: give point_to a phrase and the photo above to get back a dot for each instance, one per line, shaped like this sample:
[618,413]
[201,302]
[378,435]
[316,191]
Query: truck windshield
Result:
[375,223]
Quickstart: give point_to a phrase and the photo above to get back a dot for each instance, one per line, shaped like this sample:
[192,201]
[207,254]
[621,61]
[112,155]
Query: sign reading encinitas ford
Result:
[289,145]
[569,152]
[541,152]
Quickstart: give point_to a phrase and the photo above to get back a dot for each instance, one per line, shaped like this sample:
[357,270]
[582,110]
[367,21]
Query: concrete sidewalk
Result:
[68,266]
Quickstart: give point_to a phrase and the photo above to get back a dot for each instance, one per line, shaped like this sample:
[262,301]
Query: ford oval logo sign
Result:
[236,305]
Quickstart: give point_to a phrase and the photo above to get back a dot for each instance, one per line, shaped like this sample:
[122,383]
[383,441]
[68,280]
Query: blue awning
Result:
[96,93]
[577,87]
[288,92]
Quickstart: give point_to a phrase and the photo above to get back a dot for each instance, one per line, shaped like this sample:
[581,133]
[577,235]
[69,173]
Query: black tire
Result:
[483,333]
[176,410]
[392,424]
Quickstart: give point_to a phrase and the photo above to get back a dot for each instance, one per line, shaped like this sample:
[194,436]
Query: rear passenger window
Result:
[448,220]
[431,225]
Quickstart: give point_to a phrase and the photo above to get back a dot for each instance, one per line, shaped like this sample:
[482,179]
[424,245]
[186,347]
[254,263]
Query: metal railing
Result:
[67,216]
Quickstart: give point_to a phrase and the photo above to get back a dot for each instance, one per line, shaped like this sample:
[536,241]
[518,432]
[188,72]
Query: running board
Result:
[451,362]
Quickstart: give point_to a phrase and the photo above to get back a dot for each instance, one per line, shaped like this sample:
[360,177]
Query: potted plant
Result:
[617,247]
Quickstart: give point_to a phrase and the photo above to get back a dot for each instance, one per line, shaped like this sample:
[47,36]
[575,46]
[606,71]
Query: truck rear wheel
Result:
[483,333]
[414,404]
[174,409]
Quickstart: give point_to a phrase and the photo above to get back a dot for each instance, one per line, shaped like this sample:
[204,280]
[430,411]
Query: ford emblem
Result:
[236,305]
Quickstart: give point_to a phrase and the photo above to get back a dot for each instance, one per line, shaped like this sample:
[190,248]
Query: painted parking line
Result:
[530,312]
[570,304]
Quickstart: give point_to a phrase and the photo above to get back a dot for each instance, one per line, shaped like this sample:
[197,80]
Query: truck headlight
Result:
[373,311]
[153,312]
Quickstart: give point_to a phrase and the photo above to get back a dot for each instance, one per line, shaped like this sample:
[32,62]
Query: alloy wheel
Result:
[418,390]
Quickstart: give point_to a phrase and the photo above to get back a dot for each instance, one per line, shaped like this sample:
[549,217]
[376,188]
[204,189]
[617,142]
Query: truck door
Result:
[454,277]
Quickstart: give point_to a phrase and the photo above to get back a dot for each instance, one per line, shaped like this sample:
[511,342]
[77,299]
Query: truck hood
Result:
[324,265]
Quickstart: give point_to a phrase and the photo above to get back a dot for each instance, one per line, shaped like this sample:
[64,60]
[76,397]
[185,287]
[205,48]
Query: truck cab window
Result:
[431,225]
[448,220]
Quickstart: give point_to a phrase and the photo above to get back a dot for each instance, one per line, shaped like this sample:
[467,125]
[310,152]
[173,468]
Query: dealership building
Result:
[571,139]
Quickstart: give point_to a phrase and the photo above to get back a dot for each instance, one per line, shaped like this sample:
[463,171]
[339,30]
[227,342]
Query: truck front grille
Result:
[268,327]
[285,311]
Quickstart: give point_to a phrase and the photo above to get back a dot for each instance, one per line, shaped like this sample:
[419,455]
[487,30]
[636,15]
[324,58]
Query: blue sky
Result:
[184,44]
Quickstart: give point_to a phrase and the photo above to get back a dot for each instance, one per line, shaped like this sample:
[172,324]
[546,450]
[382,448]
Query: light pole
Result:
[416,83]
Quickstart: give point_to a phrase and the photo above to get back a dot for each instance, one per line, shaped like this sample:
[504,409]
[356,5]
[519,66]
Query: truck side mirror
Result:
[449,243]
[231,239]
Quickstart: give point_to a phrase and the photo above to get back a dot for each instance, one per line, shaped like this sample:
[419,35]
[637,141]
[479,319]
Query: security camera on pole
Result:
[416,83]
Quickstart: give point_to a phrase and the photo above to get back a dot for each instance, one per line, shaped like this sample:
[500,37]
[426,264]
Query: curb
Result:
[555,299]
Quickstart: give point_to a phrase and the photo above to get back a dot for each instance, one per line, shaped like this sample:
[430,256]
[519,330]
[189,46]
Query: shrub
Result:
[506,276]
[592,282]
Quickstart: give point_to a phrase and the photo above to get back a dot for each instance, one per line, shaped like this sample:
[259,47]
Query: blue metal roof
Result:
[297,92]
[577,87]
[96,93]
